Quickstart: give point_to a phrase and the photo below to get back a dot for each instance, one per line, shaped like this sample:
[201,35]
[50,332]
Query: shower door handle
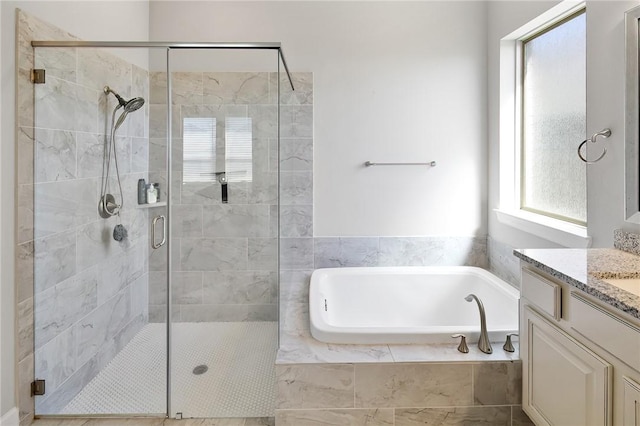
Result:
[153,232]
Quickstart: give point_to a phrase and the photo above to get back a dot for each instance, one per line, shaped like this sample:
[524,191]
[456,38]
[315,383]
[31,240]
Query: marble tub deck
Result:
[299,347]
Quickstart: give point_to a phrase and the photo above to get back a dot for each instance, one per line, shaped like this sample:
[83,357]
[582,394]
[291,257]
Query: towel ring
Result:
[605,133]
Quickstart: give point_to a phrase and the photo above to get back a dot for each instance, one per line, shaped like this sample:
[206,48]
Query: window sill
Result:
[557,231]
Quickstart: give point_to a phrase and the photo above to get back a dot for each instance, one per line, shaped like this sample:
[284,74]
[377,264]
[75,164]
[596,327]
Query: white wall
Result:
[99,20]
[393,82]
[504,17]
[605,108]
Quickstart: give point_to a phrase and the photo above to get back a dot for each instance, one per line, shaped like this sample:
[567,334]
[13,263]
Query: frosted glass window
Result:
[199,152]
[554,121]
[238,149]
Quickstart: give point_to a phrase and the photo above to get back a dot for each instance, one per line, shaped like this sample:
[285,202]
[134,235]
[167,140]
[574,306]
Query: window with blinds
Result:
[238,149]
[199,149]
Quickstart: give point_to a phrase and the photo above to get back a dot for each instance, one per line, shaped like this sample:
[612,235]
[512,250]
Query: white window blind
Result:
[199,149]
[238,149]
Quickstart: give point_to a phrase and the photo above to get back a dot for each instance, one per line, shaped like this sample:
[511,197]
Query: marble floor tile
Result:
[489,416]
[344,417]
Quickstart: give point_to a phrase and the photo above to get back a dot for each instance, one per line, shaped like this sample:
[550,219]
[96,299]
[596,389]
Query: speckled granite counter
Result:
[586,268]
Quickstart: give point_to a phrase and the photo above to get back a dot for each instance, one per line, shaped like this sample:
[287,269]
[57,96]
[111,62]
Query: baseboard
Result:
[10,418]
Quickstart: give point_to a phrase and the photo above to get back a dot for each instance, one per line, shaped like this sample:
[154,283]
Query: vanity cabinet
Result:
[566,383]
[630,409]
[581,358]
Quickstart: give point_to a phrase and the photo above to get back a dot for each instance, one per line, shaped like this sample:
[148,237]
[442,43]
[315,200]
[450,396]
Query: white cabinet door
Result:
[565,384]
[631,411]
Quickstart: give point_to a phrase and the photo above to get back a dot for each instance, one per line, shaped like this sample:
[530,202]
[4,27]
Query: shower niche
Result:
[124,325]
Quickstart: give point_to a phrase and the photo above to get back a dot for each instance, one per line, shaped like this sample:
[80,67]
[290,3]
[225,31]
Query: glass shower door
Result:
[100,326]
[224,231]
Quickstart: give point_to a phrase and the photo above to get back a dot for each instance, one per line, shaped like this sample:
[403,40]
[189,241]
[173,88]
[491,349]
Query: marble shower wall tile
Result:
[55,260]
[98,68]
[296,221]
[26,402]
[69,389]
[213,254]
[55,155]
[25,271]
[236,88]
[97,329]
[59,62]
[60,307]
[296,121]
[25,329]
[262,253]
[249,288]
[186,88]
[303,83]
[296,253]
[25,153]
[24,216]
[236,221]
[62,206]
[296,154]
[296,188]
[62,105]
[56,360]
[222,313]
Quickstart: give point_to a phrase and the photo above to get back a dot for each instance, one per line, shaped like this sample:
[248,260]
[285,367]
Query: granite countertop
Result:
[586,269]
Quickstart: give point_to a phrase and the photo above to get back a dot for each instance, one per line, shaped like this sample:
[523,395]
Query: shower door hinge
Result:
[38,76]
[37,387]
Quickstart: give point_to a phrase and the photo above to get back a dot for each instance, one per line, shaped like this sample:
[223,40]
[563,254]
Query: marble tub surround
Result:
[502,262]
[225,259]
[81,295]
[586,269]
[337,252]
[342,393]
[626,241]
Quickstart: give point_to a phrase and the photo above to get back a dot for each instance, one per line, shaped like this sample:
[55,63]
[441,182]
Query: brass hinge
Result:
[37,387]
[38,76]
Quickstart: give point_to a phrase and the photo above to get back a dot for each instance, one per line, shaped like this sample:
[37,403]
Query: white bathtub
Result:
[408,304]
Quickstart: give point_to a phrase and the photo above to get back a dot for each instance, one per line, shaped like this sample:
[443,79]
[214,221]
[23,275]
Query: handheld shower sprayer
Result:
[107,205]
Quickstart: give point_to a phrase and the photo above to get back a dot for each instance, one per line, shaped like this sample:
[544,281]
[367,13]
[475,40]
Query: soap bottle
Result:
[151,194]
[142,191]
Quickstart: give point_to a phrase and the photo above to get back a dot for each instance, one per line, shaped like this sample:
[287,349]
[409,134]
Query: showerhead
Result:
[134,104]
[128,106]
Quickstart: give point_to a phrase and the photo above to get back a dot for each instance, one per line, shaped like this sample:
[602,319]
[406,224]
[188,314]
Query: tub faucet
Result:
[483,343]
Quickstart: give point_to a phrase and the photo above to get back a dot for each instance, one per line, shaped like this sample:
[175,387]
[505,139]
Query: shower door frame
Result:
[169,46]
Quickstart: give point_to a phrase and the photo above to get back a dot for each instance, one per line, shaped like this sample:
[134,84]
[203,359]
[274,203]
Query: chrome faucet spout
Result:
[483,344]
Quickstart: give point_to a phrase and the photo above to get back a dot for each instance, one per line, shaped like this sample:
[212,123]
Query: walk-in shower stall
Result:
[156,208]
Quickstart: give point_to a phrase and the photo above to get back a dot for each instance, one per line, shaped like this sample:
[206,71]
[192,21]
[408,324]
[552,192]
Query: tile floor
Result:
[155,422]
[239,382]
